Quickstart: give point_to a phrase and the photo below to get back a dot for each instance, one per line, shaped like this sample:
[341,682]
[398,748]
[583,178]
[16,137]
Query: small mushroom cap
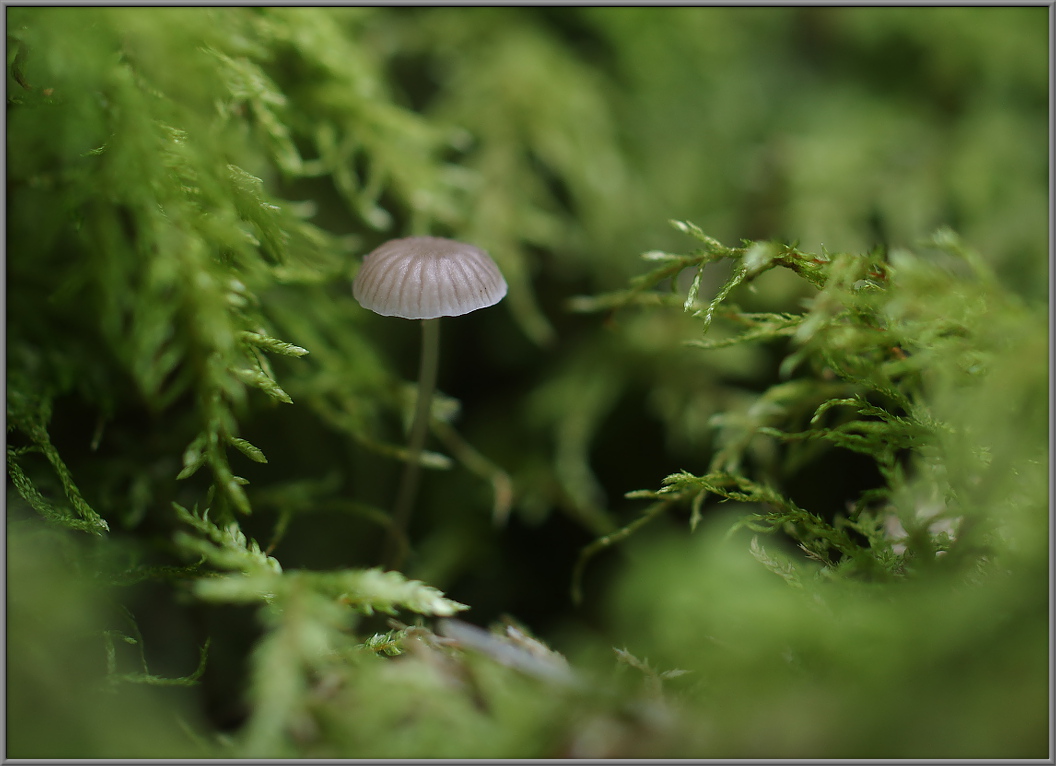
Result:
[426,278]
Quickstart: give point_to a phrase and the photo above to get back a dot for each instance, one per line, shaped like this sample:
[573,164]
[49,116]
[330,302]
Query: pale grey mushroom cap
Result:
[426,278]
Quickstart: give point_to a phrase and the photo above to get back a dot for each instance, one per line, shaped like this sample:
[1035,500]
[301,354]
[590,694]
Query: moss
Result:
[800,480]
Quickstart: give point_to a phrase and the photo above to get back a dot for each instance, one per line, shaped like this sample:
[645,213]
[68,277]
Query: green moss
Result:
[799,483]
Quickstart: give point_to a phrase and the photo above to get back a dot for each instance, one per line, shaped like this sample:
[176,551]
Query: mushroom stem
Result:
[396,547]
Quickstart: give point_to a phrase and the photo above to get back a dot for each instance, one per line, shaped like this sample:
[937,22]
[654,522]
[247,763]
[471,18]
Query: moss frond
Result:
[873,347]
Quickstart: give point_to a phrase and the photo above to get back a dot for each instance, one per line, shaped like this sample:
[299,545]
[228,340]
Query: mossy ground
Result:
[780,490]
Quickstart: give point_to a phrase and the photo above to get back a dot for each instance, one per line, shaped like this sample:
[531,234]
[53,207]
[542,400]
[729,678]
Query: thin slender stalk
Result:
[396,547]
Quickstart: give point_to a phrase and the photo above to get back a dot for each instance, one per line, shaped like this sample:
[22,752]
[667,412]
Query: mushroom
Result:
[424,278]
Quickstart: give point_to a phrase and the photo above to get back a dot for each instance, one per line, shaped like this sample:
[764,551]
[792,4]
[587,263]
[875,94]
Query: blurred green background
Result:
[562,140]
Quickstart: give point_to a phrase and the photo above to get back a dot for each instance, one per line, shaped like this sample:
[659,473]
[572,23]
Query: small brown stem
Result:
[395,549]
